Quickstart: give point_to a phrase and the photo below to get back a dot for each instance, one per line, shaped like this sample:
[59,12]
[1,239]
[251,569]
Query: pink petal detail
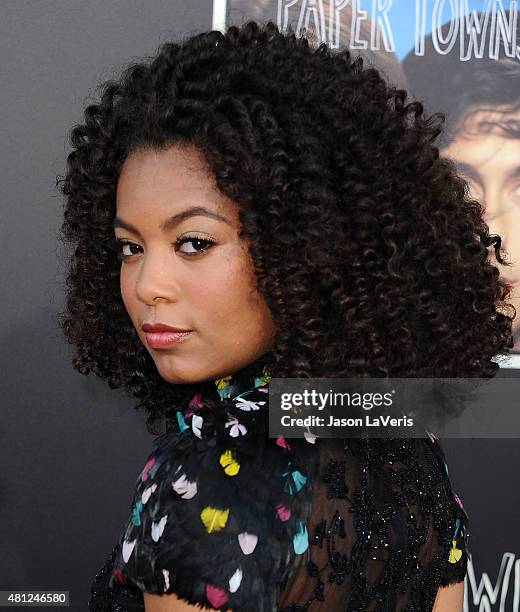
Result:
[284,513]
[247,542]
[281,441]
[457,499]
[149,465]
[196,401]
[119,576]
[215,595]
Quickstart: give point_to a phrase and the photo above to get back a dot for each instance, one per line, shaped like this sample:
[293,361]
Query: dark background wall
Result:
[71,448]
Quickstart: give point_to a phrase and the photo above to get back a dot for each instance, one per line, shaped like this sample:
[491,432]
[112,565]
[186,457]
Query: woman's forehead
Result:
[170,183]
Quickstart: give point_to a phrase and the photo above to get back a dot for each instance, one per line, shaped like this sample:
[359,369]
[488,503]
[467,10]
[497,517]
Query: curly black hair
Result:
[367,248]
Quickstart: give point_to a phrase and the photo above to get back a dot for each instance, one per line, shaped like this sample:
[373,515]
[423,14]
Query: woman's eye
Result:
[197,245]
[118,245]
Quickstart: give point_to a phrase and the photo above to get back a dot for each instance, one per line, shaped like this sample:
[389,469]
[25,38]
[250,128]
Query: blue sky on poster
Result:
[402,15]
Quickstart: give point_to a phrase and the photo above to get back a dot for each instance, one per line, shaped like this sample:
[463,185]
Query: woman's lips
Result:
[165,339]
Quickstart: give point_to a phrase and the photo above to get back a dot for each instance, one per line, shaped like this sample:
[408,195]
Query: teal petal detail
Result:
[301,539]
[259,380]
[225,392]
[154,468]
[298,480]
[136,513]
[457,527]
[181,421]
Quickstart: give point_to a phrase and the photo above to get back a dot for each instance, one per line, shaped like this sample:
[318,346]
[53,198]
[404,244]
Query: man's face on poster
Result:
[489,158]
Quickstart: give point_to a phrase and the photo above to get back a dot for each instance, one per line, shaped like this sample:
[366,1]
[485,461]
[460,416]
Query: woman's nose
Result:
[157,278]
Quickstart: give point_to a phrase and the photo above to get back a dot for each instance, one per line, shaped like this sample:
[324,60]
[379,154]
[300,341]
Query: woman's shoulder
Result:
[215,525]
[383,509]
[416,475]
[222,527]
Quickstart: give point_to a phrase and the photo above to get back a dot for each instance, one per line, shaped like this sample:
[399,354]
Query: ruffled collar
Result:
[234,407]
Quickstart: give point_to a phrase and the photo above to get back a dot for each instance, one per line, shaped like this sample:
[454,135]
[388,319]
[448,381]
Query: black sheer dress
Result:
[240,521]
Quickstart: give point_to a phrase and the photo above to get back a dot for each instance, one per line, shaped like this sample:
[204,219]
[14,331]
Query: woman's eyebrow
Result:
[174,220]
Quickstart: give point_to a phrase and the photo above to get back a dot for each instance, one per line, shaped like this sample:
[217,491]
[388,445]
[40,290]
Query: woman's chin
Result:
[180,374]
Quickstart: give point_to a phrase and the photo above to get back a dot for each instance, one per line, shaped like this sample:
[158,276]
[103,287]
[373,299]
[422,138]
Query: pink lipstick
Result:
[161,335]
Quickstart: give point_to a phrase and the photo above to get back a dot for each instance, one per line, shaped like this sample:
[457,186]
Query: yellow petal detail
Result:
[455,553]
[230,465]
[266,377]
[222,383]
[214,519]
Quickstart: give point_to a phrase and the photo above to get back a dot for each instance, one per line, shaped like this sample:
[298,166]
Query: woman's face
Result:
[184,265]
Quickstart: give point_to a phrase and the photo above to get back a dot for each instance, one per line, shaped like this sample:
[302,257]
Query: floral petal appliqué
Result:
[310,437]
[230,465]
[148,466]
[214,519]
[166,575]
[147,492]
[235,580]
[136,513]
[196,424]
[248,405]
[127,549]
[182,423]
[281,441]
[184,487]
[215,595]
[196,401]
[301,539]
[158,528]
[236,428]
[432,436]
[457,527]
[458,500]
[247,542]
[118,575]
[455,553]
[223,387]
[284,513]
[298,480]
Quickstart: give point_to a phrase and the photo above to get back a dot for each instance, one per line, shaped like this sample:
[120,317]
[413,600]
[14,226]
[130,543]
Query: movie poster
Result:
[459,57]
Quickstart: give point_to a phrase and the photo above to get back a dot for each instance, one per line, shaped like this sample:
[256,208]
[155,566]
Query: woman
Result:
[280,211]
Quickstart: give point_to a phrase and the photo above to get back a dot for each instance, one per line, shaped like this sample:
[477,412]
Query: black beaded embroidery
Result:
[402,484]
[335,476]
